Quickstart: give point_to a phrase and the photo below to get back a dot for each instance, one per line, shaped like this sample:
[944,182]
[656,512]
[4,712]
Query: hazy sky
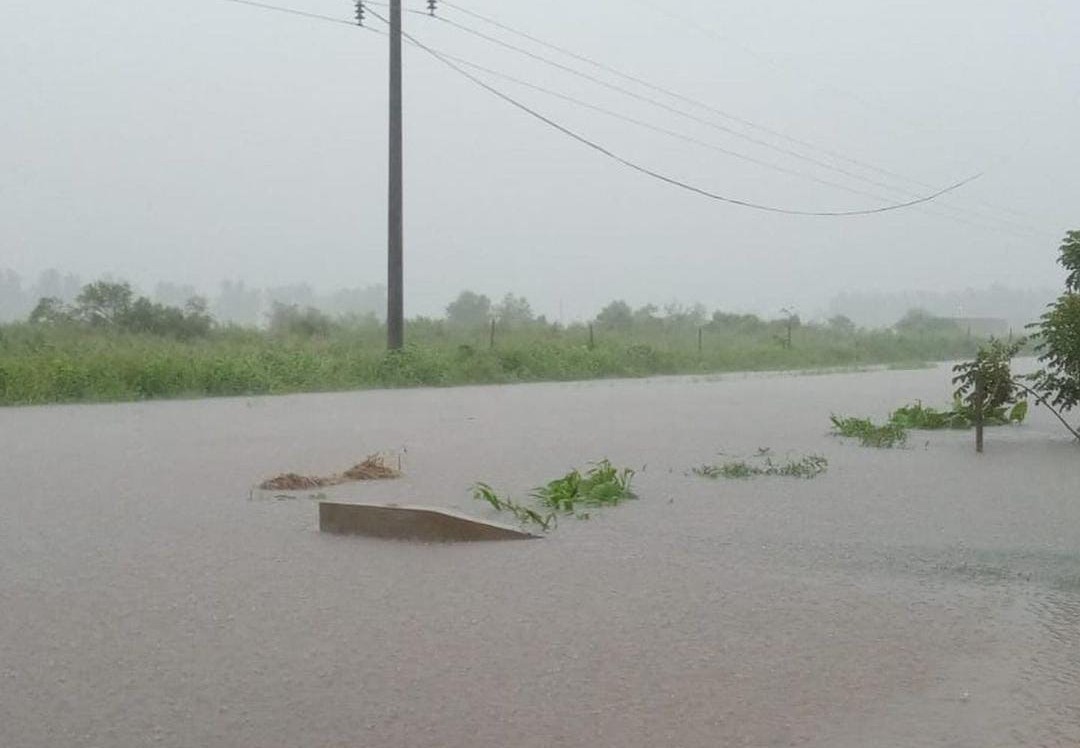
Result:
[202,140]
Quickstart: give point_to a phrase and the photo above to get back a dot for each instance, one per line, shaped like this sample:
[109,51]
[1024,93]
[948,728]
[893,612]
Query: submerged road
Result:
[911,597]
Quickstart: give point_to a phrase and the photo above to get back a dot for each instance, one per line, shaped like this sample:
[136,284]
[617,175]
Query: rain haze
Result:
[734,399]
[204,141]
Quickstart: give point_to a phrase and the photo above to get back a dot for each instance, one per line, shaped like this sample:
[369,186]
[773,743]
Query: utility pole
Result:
[395,277]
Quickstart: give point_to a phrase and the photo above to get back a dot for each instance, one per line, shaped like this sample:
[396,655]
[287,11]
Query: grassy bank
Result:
[66,363]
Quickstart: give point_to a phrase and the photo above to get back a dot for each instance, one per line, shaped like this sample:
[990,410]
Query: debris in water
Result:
[293,482]
[373,468]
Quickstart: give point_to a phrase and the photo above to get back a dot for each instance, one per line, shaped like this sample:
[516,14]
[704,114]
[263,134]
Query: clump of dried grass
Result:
[372,468]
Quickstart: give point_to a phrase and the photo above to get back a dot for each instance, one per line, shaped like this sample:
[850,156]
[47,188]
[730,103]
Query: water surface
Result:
[913,597]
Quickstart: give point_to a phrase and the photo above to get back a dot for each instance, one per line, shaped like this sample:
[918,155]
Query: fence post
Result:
[592,338]
[700,346]
[980,396]
[492,341]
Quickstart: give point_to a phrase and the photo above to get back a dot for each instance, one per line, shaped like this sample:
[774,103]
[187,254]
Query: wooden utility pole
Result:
[395,277]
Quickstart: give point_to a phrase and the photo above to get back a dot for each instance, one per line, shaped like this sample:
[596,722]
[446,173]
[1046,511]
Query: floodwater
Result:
[914,597]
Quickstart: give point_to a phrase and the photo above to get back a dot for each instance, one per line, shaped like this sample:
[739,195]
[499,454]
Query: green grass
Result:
[53,364]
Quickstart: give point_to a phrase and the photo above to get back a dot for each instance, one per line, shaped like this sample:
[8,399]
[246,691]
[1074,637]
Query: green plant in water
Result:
[522,513]
[601,485]
[810,466]
[920,417]
[868,433]
[1000,407]
[733,469]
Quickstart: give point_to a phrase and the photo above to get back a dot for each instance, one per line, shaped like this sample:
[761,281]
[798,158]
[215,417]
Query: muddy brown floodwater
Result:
[915,597]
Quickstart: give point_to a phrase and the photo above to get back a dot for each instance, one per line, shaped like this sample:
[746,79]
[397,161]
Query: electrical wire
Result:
[895,115]
[605,151]
[658,175]
[294,12]
[710,108]
[655,102]
[668,92]
[701,143]
[691,139]
[663,10]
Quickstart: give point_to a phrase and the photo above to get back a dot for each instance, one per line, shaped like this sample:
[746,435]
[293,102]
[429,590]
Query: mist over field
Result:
[227,142]
[709,373]
[236,302]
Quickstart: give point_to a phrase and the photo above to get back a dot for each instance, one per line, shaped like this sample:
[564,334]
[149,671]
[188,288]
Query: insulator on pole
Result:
[432,5]
[359,12]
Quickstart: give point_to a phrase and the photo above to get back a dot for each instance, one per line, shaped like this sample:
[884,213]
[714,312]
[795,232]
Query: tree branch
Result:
[1041,400]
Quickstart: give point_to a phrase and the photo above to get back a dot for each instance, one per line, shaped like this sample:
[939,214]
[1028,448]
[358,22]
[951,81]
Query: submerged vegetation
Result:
[869,434]
[109,344]
[918,417]
[807,467]
[601,485]
[986,394]
[523,514]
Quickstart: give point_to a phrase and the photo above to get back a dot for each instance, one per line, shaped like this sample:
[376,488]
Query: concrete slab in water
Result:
[410,523]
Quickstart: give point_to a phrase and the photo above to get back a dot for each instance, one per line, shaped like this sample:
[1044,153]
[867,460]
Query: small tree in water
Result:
[987,383]
[986,386]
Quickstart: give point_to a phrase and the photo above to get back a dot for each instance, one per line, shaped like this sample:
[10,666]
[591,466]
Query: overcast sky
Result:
[202,140]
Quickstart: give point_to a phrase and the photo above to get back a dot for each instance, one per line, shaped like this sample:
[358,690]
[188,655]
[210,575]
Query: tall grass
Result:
[50,364]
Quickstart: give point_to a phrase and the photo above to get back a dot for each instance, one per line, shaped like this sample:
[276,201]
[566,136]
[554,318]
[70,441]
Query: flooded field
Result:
[912,597]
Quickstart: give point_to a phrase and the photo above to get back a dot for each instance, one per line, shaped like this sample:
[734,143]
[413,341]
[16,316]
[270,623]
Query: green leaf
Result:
[1019,412]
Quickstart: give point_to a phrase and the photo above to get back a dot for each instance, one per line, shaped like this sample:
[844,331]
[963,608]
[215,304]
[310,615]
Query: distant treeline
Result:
[109,343]
[115,306]
[238,303]
[234,301]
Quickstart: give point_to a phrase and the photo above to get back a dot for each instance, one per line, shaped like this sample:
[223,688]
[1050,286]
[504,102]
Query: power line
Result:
[1024,229]
[690,139]
[695,141]
[662,10]
[658,175]
[673,94]
[294,12]
[650,126]
[702,143]
[771,62]
[662,105]
[704,106]
[1007,227]
[609,153]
